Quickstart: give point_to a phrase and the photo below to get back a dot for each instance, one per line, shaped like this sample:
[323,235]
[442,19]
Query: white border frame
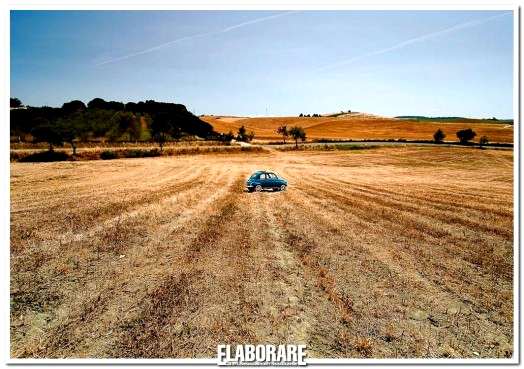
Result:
[252,5]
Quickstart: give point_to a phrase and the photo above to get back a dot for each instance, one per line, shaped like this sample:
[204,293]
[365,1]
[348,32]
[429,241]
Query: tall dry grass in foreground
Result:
[390,252]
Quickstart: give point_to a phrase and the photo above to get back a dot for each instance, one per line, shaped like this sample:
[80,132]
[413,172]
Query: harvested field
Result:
[363,127]
[395,252]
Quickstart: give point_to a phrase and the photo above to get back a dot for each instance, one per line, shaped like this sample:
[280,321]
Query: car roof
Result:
[263,171]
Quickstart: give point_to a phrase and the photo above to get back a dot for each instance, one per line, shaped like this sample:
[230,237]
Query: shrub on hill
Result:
[108,155]
[45,156]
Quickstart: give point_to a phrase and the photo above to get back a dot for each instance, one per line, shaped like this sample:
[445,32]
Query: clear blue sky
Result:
[436,63]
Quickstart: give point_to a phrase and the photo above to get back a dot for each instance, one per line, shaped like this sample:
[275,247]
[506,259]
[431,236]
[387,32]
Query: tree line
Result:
[108,120]
[464,136]
[242,135]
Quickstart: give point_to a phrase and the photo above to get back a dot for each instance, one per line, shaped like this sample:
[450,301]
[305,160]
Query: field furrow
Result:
[386,252]
[427,251]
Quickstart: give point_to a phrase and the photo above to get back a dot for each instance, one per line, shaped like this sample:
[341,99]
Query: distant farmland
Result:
[365,126]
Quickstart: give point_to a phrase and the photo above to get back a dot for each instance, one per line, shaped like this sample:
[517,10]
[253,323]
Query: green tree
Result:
[125,126]
[297,133]
[99,122]
[161,127]
[133,128]
[44,131]
[243,136]
[439,136]
[241,133]
[466,135]
[14,102]
[69,134]
[71,128]
[282,130]
[73,107]
[96,103]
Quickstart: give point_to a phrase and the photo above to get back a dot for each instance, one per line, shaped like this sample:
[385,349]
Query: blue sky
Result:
[435,63]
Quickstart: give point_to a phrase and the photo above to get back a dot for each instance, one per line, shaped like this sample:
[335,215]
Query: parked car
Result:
[264,180]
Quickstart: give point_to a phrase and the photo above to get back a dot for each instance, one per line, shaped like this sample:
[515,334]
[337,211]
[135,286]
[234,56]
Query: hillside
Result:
[358,126]
[104,120]
[456,119]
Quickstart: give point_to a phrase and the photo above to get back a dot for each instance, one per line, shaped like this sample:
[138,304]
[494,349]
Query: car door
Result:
[272,180]
[264,180]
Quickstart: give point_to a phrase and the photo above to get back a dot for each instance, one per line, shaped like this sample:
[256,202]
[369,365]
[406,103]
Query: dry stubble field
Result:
[390,252]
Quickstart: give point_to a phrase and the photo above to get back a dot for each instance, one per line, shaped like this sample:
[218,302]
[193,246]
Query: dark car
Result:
[263,180]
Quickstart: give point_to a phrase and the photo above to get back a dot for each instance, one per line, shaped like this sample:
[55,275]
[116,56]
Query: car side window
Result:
[272,176]
[262,176]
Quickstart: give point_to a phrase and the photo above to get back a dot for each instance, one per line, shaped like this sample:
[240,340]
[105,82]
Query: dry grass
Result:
[361,127]
[96,153]
[391,252]
[98,146]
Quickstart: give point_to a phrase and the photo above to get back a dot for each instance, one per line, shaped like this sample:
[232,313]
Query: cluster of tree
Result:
[109,120]
[464,136]
[309,115]
[15,103]
[242,135]
[296,132]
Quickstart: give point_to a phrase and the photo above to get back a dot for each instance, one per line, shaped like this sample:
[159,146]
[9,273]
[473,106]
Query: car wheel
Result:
[283,188]
[258,188]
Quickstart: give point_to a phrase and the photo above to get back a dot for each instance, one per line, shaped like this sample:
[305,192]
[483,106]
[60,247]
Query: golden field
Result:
[361,127]
[387,252]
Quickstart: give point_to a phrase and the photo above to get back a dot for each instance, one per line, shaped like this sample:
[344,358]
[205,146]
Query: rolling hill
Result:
[360,126]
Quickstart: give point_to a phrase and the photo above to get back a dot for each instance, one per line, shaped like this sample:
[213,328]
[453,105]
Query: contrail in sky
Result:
[411,41]
[192,37]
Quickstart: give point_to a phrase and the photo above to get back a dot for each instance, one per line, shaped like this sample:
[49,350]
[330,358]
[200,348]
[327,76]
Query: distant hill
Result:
[362,126]
[455,119]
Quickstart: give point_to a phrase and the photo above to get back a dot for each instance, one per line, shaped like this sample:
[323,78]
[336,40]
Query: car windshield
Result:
[254,175]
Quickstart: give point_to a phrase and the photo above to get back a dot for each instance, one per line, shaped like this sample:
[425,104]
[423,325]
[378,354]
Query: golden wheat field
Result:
[359,126]
[394,252]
